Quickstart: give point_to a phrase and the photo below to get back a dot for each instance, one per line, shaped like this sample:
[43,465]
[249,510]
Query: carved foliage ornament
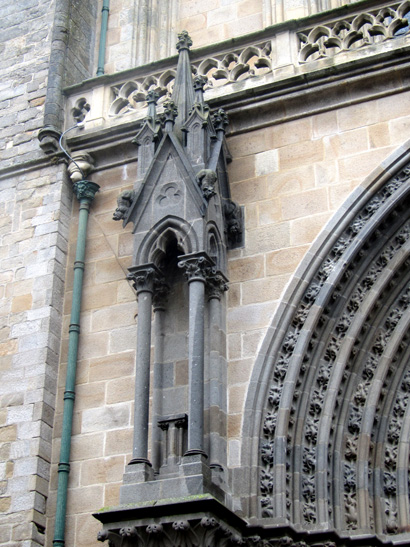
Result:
[200,532]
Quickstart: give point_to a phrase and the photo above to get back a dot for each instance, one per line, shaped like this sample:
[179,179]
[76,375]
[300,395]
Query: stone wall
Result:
[207,23]
[34,232]
[35,204]
[25,49]
[290,178]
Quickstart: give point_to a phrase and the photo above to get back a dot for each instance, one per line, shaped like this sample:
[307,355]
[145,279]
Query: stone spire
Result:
[183,94]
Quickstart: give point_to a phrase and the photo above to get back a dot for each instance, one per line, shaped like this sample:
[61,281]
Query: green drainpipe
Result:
[85,192]
[103,37]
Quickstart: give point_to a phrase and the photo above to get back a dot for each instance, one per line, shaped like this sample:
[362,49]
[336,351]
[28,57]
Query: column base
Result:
[193,477]
[194,452]
[140,460]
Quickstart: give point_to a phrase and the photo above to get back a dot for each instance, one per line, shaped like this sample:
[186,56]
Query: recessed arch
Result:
[315,407]
[156,239]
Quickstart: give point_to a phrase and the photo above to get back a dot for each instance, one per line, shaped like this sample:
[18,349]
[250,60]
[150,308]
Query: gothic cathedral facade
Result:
[205,281]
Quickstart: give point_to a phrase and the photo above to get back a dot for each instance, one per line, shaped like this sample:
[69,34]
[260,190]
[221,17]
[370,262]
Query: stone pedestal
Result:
[193,477]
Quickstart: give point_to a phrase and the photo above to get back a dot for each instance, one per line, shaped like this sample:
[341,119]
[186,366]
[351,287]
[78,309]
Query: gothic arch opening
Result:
[327,413]
[155,241]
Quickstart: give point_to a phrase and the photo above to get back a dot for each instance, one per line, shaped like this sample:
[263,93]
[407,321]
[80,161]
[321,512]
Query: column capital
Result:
[144,277]
[217,284]
[196,266]
[85,190]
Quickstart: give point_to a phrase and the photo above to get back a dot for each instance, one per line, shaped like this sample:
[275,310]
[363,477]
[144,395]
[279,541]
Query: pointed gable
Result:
[182,166]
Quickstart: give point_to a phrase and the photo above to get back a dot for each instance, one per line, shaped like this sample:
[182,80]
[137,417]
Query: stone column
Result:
[160,297]
[143,278]
[196,267]
[217,285]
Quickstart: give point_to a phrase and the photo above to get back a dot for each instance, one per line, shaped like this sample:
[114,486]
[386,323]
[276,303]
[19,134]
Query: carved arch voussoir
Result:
[303,375]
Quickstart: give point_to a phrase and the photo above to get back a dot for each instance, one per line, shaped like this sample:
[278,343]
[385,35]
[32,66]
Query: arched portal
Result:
[327,414]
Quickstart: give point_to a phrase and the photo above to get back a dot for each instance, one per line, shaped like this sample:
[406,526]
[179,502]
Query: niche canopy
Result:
[182,171]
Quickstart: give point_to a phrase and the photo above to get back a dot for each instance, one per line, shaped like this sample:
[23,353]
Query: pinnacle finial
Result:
[152,97]
[184,41]
[169,115]
[220,120]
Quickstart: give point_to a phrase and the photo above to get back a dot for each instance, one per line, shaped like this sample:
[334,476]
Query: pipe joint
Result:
[68,394]
[63,467]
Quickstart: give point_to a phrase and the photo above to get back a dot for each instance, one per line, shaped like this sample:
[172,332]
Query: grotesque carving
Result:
[124,202]
[206,179]
[233,219]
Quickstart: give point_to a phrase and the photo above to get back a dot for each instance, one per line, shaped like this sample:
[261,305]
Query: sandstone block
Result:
[105,418]
[85,499]
[379,135]
[108,270]
[399,129]
[292,132]
[124,339]
[266,162]
[120,390]
[239,372]
[102,470]
[361,165]
[109,367]
[268,238]
[246,268]
[253,316]
[118,442]
[347,143]
[269,212]
[234,425]
[250,191]
[284,261]
[86,528]
[304,204]
[304,231]
[121,315]
[224,13]
[90,395]
[324,124]
[244,25]
[292,181]
[242,169]
[93,345]
[248,144]
[306,152]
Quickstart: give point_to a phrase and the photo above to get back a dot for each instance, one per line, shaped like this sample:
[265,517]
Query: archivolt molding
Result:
[334,380]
